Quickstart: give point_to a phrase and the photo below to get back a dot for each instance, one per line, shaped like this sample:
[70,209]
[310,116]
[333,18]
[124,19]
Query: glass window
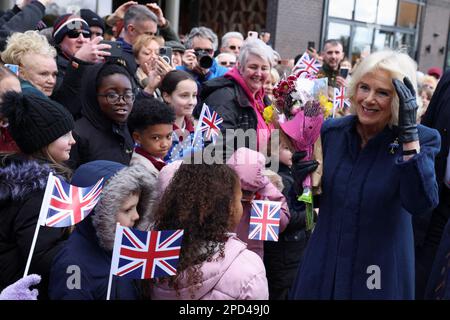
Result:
[407,14]
[362,41]
[341,8]
[387,10]
[366,10]
[383,39]
[339,31]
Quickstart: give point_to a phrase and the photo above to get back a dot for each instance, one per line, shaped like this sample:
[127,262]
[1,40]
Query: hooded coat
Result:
[250,165]
[240,275]
[22,187]
[98,137]
[89,247]
[362,246]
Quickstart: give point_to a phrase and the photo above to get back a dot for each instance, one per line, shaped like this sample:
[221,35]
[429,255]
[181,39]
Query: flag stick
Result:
[115,258]
[199,124]
[41,220]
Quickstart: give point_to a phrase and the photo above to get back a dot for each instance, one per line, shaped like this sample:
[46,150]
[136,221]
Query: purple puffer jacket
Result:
[250,165]
[240,275]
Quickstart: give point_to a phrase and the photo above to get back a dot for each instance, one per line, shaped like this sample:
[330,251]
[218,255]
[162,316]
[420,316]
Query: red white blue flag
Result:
[264,220]
[307,63]
[146,254]
[208,124]
[65,205]
[339,100]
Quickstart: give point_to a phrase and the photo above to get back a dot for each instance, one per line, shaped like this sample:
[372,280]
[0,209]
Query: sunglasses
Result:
[73,34]
[209,51]
[234,47]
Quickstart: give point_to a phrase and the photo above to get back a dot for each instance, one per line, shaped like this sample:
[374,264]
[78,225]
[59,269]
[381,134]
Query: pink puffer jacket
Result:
[250,165]
[240,275]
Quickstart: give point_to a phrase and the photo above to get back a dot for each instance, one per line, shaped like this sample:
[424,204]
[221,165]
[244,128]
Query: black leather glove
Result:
[407,113]
[300,169]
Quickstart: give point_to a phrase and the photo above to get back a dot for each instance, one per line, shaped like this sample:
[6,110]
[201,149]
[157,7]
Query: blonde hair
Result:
[397,64]
[143,40]
[29,42]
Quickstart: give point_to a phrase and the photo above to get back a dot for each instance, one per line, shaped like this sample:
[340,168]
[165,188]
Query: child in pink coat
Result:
[250,165]
[205,201]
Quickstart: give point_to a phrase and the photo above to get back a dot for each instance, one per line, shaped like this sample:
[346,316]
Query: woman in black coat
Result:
[42,130]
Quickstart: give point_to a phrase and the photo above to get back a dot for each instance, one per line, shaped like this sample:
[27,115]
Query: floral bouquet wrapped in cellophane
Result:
[302,104]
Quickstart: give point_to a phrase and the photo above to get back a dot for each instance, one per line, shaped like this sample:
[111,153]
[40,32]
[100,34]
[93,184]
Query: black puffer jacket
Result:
[22,186]
[97,137]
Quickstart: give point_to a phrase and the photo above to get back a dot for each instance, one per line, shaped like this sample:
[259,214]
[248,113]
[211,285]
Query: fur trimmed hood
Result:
[20,177]
[117,189]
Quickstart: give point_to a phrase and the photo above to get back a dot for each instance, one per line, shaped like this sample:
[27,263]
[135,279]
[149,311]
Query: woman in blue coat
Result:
[378,172]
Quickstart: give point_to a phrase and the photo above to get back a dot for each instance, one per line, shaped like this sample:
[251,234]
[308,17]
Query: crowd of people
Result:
[84,108]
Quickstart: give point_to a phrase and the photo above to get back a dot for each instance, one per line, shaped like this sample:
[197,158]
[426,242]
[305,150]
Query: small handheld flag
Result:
[64,205]
[308,64]
[146,254]
[339,100]
[264,220]
[208,124]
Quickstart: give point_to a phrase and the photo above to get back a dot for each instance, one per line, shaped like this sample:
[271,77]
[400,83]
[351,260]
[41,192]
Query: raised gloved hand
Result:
[300,169]
[20,290]
[407,113]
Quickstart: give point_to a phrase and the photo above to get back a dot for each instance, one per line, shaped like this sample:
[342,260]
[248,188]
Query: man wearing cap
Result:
[95,22]
[71,35]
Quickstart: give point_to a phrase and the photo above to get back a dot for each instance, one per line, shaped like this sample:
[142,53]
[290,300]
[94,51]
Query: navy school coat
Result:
[362,246]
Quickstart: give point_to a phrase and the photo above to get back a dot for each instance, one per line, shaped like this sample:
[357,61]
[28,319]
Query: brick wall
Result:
[435,21]
[296,23]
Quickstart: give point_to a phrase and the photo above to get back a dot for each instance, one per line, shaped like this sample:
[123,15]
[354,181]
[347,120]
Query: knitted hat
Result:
[65,23]
[435,72]
[92,19]
[35,121]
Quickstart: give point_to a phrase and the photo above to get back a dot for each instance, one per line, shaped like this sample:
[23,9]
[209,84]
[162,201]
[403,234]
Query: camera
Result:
[204,59]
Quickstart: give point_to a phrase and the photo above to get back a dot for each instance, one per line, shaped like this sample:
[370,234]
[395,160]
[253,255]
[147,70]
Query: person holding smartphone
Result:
[332,54]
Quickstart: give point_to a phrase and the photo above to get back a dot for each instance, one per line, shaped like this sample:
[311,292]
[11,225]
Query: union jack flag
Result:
[208,124]
[264,220]
[65,205]
[339,101]
[191,143]
[146,254]
[308,64]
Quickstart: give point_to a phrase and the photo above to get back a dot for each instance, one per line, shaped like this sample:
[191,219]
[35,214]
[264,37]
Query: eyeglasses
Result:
[207,50]
[73,34]
[234,47]
[114,98]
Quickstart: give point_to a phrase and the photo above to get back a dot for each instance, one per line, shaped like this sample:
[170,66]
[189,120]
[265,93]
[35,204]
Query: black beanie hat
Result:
[65,23]
[92,19]
[35,121]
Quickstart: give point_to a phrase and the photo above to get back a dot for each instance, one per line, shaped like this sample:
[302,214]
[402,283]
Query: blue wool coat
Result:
[365,213]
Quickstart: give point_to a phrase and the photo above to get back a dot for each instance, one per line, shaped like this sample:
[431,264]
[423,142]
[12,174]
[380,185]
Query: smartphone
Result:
[252,34]
[14,68]
[166,54]
[311,45]
[343,72]
[116,48]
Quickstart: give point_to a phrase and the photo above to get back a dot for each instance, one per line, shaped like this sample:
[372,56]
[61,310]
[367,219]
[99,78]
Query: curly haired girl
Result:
[205,201]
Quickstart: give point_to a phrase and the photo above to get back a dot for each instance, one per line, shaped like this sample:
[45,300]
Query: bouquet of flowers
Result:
[302,104]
